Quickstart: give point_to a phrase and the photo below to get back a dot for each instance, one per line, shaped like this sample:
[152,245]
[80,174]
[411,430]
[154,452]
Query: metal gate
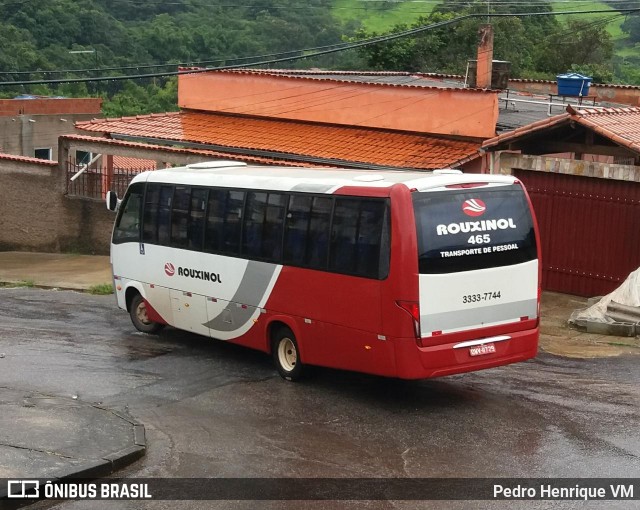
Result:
[589,230]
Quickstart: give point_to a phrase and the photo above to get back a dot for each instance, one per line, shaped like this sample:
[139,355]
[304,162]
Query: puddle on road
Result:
[139,351]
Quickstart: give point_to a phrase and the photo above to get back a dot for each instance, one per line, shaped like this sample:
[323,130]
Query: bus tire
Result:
[286,355]
[138,313]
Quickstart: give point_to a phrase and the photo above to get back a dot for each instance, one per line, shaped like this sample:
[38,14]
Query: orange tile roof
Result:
[620,125]
[526,130]
[292,140]
[174,150]
[126,163]
[26,159]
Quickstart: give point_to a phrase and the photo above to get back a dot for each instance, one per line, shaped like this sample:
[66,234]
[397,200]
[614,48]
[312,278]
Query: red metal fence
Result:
[95,182]
[589,229]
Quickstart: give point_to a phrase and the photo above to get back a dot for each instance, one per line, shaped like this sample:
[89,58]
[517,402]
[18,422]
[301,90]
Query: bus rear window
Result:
[463,230]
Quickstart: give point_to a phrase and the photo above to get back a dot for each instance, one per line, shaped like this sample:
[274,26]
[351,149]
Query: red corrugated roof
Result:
[326,76]
[620,125]
[338,143]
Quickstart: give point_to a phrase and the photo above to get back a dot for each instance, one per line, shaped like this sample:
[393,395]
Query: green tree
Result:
[632,27]
[39,35]
[139,100]
[165,40]
[18,50]
[580,44]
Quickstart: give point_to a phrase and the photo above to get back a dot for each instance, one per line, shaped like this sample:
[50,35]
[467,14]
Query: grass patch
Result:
[628,51]
[380,17]
[613,27]
[101,290]
[21,283]
[622,344]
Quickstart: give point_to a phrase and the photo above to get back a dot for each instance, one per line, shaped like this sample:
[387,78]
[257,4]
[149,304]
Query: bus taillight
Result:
[413,309]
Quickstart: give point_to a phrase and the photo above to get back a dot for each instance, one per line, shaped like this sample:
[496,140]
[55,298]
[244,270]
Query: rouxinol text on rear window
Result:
[475,228]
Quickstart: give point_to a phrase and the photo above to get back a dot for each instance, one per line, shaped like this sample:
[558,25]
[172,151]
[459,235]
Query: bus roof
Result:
[232,174]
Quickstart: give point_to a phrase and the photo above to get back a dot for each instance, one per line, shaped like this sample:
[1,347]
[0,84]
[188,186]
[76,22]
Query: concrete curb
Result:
[92,469]
[625,329]
[17,285]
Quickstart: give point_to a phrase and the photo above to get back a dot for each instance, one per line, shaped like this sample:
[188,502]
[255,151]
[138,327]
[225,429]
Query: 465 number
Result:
[479,239]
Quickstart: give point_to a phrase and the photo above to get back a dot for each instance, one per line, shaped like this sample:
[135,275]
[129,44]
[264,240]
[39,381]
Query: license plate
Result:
[482,349]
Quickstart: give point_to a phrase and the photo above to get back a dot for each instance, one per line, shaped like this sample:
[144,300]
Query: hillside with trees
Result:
[80,39]
[537,46]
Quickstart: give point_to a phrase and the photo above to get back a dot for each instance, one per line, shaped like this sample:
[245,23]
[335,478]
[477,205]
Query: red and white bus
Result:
[401,274]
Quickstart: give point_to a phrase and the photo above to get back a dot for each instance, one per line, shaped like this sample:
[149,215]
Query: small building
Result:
[582,170]
[318,121]
[31,125]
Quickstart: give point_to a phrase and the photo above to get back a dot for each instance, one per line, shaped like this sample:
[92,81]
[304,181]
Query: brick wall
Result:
[460,112]
[22,134]
[622,94]
[609,171]
[35,215]
[50,106]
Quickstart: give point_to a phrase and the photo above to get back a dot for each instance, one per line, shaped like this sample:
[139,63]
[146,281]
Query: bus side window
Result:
[233,222]
[274,227]
[356,237]
[150,223]
[296,227]
[318,237]
[215,220]
[128,225]
[180,216]
[253,227]
[385,244]
[344,235]
[222,234]
[370,226]
[196,218]
[164,215]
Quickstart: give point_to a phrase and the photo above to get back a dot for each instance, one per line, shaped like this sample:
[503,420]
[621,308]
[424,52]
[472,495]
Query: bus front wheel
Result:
[286,355]
[139,317]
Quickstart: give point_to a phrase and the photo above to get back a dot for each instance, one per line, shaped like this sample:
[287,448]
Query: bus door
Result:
[477,258]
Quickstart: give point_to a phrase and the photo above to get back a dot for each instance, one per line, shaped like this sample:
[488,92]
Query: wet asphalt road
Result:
[216,410]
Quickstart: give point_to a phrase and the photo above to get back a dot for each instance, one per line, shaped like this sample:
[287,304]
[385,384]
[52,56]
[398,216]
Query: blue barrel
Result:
[573,84]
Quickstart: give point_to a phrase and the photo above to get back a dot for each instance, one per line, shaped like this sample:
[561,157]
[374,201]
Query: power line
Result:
[154,66]
[332,49]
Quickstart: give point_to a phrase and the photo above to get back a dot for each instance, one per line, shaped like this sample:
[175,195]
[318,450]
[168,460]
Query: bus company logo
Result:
[169,269]
[474,207]
[23,489]
[199,274]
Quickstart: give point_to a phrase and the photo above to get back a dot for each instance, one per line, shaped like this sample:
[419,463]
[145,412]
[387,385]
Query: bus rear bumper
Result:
[429,361]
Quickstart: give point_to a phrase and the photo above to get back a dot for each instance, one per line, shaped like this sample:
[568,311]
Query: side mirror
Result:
[112,200]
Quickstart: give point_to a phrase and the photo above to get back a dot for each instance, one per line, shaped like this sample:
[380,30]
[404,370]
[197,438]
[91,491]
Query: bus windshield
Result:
[475,228]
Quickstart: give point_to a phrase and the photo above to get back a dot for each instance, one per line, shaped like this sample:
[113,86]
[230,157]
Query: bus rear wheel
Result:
[286,355]
[140,318]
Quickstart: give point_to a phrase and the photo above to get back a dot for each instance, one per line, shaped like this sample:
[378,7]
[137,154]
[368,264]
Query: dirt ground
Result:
[556,337]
